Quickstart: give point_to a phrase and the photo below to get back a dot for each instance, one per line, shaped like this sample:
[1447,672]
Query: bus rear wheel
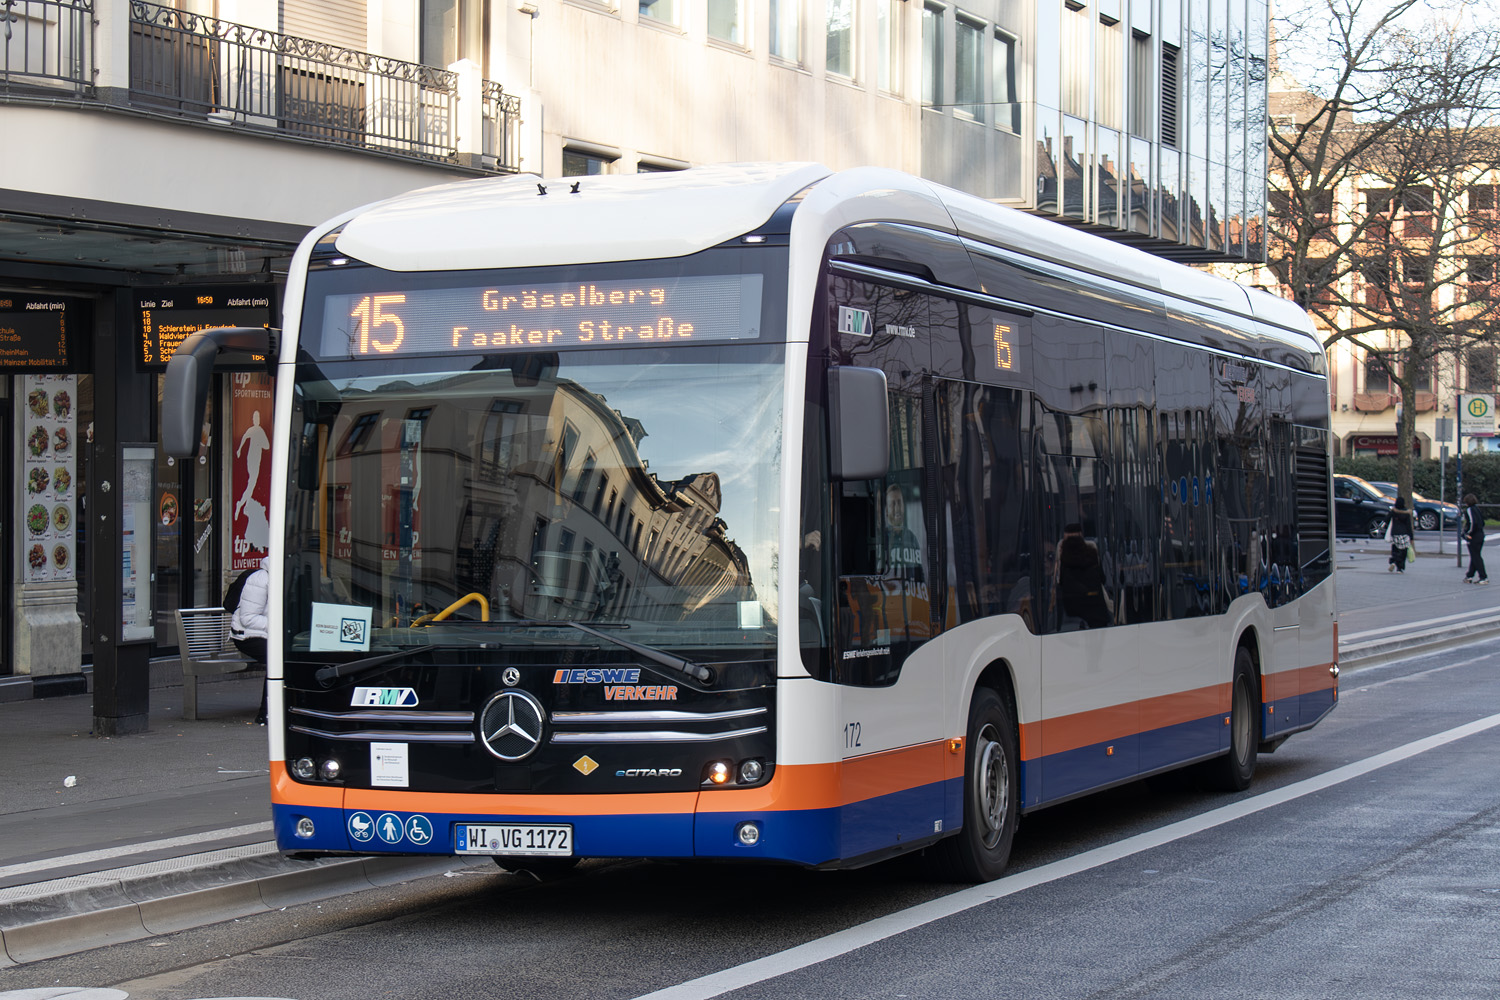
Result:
[992,785]
[1233,771]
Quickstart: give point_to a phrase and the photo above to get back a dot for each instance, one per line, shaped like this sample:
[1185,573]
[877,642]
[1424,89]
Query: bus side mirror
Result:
[859,418]
[189,377]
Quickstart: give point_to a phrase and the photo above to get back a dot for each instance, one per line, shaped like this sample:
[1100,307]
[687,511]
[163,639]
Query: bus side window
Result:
[859,526]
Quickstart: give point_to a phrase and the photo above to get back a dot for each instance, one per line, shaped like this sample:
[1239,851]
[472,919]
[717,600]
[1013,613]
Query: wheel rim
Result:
[1429,520]
[1377,527]
[993,783]
[1240,722]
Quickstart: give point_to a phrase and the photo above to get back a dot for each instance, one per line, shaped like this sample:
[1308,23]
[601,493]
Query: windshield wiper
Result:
[697,671]
[334,671]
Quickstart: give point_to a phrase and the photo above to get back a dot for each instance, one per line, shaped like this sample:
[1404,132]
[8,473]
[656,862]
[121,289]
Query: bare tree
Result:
[1381,169]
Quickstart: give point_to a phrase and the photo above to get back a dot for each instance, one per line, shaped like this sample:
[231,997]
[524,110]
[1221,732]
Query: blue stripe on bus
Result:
[642,835]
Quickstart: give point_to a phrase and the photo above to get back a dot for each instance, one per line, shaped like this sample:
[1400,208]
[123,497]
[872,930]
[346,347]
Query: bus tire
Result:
[1232,772]
[541,869]
[980,851]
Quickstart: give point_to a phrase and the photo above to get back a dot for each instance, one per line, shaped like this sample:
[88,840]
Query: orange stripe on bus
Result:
[285,791]
[1115,722]
[792,786]
[829,786]
[507,803]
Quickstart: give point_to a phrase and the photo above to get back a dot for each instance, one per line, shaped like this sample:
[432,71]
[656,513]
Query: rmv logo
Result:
[384,697]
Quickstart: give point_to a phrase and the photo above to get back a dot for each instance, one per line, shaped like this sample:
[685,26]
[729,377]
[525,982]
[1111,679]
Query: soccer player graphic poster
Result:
[250,461]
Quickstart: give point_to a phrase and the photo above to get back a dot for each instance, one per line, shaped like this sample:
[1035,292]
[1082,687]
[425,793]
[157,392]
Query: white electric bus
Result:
[760,512]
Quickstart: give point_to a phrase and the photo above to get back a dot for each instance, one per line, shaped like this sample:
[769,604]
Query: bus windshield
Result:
[633,491]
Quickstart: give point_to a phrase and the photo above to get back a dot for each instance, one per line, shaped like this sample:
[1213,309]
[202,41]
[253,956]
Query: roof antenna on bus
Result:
[540,190]
[574,189]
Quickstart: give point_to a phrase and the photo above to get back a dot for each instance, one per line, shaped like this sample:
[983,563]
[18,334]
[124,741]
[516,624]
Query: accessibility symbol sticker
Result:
[361,827]
[419,830]
[389,828]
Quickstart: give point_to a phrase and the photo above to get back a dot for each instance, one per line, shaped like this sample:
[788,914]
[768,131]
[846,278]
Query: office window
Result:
[726,20]
[661,11]
[1479,273]
[1480,362]
[439,32]
[1142,73]
[888,38]
[1109,76]
[932,56]
[1377,376]
[1421,373]
[1003,83]
[968,67]
[578,163]
[1076,72]
[449,30]
[840,37]
[786,30]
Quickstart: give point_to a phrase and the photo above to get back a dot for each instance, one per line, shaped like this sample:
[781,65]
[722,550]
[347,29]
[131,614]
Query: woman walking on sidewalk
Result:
[1398,530]
[1473,532]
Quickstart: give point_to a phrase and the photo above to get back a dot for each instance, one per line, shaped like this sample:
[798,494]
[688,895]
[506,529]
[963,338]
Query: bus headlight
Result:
[305,828]
[330,769]
[748,833]
[718,773]
[304,769]
[751,771]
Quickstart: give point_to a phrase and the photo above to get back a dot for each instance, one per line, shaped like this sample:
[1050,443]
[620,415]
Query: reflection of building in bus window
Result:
[903,553]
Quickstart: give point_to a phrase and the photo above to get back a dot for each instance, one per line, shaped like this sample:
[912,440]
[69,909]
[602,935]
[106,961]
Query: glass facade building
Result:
[1143,120]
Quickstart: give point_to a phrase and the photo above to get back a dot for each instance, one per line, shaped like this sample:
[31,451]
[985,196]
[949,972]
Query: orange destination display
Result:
[490,318]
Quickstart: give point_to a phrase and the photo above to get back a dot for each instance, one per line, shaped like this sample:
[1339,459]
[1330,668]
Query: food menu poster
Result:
[168,315]
[49,504]
[40,334]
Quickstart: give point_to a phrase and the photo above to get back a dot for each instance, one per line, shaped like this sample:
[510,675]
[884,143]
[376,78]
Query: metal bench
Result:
[206,650]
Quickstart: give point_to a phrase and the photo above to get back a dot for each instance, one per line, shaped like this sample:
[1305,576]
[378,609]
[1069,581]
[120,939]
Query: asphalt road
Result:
[1364,862]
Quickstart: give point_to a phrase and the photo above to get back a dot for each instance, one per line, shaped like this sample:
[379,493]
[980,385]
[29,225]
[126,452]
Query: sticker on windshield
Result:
[340,626]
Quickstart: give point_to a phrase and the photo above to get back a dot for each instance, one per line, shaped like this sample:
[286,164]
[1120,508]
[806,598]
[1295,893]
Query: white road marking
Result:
[89,857]
[1418,675]
[845,941]
[1477,614]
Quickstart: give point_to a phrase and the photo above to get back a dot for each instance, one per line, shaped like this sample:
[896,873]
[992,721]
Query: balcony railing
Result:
[202,68]
[502,126]
[48,47]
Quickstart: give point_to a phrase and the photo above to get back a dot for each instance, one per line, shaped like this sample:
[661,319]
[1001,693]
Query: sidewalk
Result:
[109,840]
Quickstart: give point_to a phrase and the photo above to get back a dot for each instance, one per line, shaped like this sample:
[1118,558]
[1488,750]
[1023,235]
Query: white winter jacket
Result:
[249,621]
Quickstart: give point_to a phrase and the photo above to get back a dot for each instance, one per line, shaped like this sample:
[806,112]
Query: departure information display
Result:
[492,318]
[169,314]
[39,333]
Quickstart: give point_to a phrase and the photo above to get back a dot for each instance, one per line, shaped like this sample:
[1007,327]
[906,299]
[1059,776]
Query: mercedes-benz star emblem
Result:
[511,677]
[511,725]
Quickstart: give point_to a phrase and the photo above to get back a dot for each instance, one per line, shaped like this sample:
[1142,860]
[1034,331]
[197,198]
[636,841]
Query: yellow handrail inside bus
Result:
[484,607]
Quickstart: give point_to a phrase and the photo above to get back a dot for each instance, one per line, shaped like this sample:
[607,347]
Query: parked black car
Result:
[1429,512]
[1359,509]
